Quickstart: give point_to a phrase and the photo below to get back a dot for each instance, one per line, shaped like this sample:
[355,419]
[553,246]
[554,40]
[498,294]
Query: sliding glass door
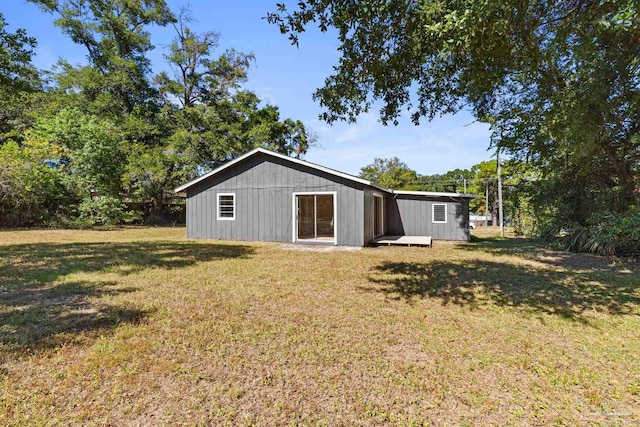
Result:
[315,217]
[306,217]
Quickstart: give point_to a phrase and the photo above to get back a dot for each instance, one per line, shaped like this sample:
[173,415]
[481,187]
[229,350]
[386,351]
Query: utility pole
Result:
[486,202]
[500,217]
[465,185]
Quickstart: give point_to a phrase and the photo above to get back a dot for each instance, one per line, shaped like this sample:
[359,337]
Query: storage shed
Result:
[267,196]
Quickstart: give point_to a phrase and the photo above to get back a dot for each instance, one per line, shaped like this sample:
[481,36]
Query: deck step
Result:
[403,240]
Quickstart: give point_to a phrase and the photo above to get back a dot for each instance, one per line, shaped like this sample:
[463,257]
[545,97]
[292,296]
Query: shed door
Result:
[378,215]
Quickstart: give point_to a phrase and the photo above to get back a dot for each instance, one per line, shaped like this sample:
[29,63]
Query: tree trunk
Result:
[623,170]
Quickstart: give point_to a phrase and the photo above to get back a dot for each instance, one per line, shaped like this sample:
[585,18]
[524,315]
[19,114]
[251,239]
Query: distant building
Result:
[481,219]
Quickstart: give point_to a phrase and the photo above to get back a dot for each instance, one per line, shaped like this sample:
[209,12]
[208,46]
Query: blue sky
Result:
[287,77]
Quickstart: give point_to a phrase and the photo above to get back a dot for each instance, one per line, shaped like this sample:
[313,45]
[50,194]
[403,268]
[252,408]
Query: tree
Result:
[215,119]
[117,41]
[16,49]
[452,181]
[197,78]
[86,156]
[120,137]
[209,118]
[390,173]
[18,77]
[90,151]
[557,81]
[32,192]
[485,182]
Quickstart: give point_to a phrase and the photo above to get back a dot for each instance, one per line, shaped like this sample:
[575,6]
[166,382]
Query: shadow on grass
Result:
[47,317]
[540,288]
[38,310]
[519,245]
[537,250]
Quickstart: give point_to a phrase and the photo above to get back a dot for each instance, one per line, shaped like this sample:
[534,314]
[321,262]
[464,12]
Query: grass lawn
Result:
[144,327]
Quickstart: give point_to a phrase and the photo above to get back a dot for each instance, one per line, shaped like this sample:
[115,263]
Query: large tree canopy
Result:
[116,37]
[17,77]
[559,82]
[106,141]
[16,49]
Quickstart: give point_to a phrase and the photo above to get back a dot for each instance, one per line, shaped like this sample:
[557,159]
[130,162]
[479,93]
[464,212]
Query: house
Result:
[266,196]
[481,219]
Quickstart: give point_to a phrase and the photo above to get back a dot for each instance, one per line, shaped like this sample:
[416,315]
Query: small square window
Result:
[439,213]
[227,206]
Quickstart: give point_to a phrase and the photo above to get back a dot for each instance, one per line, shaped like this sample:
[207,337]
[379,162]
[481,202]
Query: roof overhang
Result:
[434,194]
[283,157]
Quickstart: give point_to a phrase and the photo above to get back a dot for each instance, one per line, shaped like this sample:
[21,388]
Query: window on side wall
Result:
[439,213]
[226,206]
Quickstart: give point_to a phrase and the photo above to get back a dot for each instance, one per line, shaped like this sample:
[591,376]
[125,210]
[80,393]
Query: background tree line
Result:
[105,142]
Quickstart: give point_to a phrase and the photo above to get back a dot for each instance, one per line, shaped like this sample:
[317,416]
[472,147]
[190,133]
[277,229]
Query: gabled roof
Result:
[283,157]
[317,167]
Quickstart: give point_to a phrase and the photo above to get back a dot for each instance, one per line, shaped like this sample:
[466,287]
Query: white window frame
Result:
[294,217]
[433,213]
[220,218]
[382,215]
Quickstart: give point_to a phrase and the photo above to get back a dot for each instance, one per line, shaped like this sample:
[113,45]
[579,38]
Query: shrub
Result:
[32,192]
[105,210]
[607,234]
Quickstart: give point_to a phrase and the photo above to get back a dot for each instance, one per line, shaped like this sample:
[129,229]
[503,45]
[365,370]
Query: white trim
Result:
[434,194]
[433,214]
[279,156]
[378,195]
[294,217]
[220,218]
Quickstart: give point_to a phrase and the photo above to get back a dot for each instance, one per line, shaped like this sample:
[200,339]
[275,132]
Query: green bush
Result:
[607,234]
[105,210]
[32,192]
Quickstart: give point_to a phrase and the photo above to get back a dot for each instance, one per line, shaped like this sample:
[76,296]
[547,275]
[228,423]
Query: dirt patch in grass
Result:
[319,248]
[143,327]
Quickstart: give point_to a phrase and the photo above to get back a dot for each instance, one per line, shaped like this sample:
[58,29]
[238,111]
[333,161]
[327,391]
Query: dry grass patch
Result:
[143,327]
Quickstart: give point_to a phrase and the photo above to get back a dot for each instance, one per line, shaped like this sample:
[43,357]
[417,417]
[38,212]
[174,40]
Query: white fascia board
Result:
[284,157]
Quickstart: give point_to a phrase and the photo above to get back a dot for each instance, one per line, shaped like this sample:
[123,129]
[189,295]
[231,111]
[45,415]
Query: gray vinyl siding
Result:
[368,215]
[263,188]
[412,216]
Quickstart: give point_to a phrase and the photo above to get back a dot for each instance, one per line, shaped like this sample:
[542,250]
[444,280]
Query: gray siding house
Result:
[266,196]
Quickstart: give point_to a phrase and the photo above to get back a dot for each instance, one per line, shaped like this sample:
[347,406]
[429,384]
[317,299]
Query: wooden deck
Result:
[403,240]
